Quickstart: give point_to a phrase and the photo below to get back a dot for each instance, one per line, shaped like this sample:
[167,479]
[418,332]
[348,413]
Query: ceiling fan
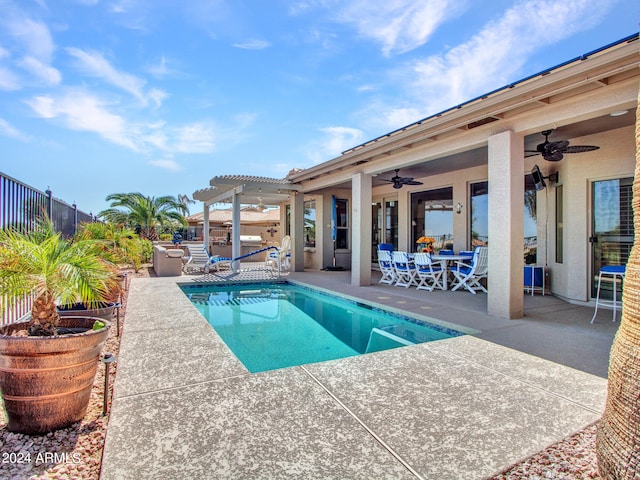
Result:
[554,151]
[399,181]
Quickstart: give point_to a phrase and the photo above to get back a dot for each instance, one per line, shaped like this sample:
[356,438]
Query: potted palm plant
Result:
[48,363]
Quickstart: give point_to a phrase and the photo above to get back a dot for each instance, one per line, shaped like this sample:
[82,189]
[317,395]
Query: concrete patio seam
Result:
[186,385]
[364,425]
[529,384]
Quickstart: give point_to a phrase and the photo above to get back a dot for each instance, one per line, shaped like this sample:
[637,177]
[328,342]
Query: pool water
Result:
[271,326]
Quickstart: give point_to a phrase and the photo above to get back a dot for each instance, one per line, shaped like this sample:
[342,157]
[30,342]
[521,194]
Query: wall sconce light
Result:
[458,208]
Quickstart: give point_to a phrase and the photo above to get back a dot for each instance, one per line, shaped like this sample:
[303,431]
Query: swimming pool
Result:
[276,325]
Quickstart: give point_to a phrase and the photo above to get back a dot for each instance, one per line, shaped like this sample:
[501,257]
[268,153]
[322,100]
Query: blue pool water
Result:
[270,326]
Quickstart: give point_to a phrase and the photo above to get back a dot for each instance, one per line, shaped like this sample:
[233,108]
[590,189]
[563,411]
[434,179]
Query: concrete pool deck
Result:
[185,407]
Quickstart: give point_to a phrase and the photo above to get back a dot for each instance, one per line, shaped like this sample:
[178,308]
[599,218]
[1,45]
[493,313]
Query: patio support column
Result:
[404,222]
[235,231]
[297,232]
[361,230]
[506,225]
[205,226]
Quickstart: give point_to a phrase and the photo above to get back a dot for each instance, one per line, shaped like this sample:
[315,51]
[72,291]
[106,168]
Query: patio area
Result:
[467,407]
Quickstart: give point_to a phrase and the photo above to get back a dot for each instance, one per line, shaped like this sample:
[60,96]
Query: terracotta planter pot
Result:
[104,311]
[46,381]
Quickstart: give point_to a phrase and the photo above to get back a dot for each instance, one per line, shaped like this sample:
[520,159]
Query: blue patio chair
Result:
[385,263]
[405,270]
[469,276]
[431,275]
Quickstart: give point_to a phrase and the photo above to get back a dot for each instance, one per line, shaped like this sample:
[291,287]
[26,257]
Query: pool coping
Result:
[456,408]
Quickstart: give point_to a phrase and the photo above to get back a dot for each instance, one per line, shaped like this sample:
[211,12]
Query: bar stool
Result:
[613,271]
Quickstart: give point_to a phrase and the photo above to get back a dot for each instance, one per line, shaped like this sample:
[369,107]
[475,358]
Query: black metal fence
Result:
[20,207]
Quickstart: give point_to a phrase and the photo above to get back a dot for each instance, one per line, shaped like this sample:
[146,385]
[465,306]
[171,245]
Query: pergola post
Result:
[297,232]
[205,226]
[235,231]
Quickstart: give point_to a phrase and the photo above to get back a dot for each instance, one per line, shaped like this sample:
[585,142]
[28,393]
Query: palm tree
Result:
[53,269]
[185,201]
[148,213]
[618,438]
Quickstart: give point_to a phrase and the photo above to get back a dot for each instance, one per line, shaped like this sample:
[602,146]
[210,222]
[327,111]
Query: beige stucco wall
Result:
[614,159]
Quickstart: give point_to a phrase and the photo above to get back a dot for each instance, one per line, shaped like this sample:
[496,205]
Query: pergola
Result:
[241,190]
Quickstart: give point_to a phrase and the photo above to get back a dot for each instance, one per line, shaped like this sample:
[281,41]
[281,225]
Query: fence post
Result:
[75,218]
[49,203]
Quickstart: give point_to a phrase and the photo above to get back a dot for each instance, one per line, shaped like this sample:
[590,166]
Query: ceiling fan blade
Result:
[553,146]
[413,182]
[580,148]
[554,156]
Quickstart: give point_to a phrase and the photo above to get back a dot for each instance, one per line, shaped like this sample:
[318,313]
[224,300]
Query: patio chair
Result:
[469,276]
[430,275]
[386,267]
[280,258]
[405,270]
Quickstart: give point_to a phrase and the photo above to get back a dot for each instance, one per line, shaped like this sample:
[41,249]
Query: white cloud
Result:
[253,44]
[194,138]
[10,131]
[167,164]
[398,25]
[95,65]
[490,59]
[34,37]
[8,80]
[83,112]
[161,69]
[335,141]
[46,73]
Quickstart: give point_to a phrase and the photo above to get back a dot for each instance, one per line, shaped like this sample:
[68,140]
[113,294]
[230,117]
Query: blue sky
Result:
[158,96]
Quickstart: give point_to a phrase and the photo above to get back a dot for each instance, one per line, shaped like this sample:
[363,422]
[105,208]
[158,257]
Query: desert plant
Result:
[54,270]
[119,245]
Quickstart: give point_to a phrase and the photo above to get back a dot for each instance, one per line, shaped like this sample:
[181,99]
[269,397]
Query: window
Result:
[342,224]
[479,193]
[310,223]
[432,216]
[559,225]
[530,221]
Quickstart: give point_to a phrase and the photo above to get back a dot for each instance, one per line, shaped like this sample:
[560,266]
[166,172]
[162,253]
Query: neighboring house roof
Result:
[247,217]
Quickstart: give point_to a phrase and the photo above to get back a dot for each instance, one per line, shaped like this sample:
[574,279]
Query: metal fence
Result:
[20,207]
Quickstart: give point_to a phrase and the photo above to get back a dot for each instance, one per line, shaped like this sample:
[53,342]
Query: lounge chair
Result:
[429,274]
[200,260]
[279,258]
[469,276]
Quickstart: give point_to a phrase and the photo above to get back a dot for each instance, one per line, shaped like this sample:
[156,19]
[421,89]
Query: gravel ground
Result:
[76,452]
